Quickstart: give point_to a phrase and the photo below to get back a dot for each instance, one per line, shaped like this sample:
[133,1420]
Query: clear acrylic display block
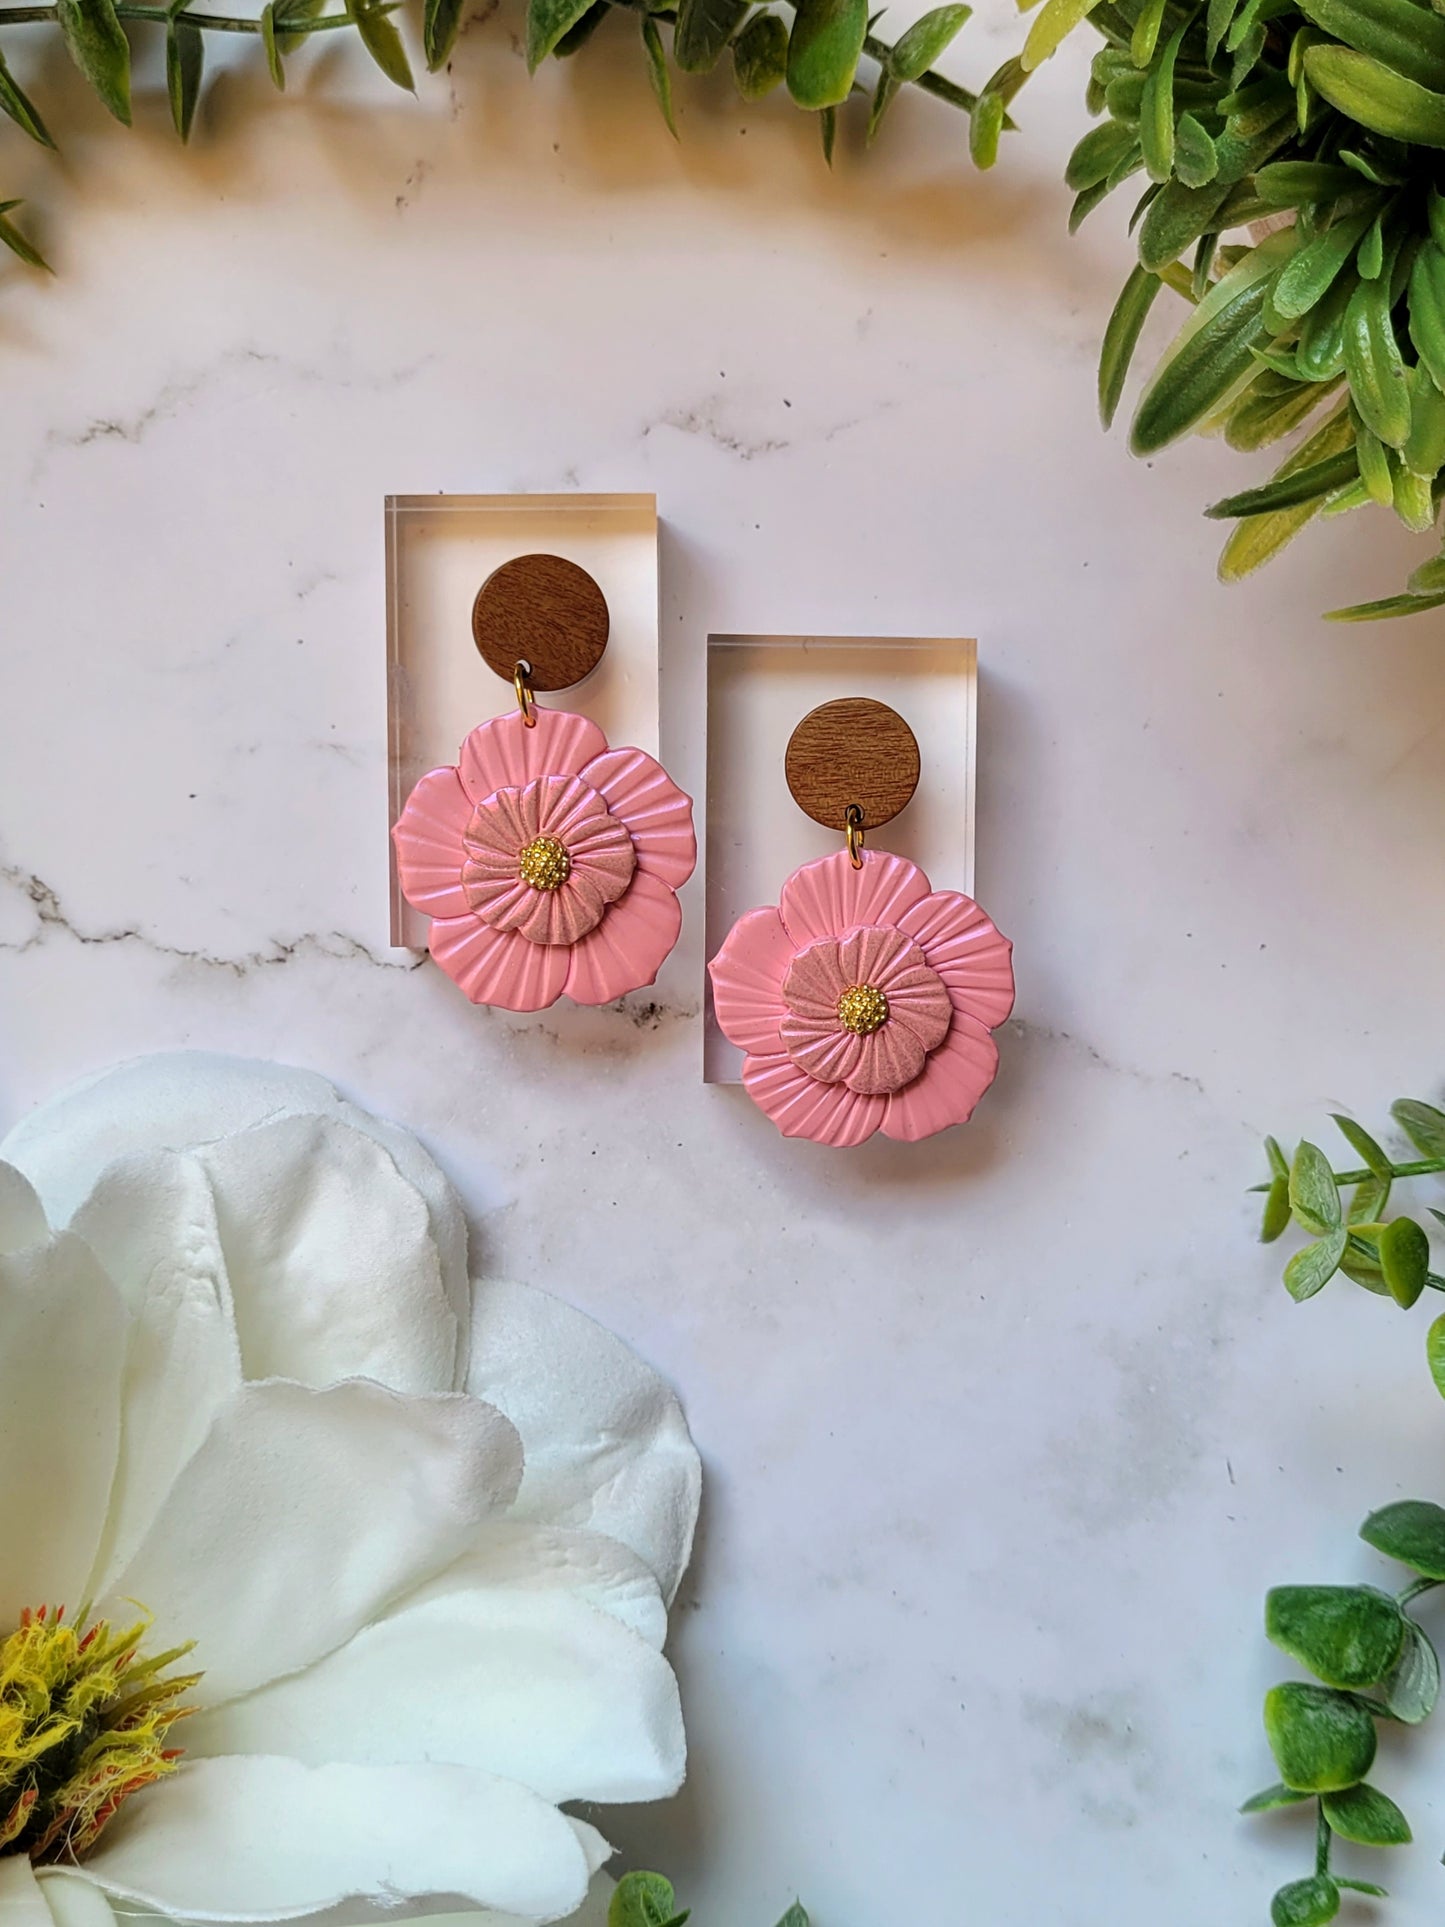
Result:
[758,689]
[440,549]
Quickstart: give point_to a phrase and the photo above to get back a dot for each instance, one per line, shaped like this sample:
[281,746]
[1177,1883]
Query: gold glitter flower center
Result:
[544,864]
[862,1009]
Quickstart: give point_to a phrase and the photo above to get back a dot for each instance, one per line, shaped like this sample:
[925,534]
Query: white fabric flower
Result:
[423,1537]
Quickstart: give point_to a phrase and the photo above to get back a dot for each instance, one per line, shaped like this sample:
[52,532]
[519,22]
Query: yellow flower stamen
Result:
[544,864]
[862,1008]
[84,1719]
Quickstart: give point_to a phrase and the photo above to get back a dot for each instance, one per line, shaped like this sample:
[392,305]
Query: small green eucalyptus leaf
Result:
[1321,1740]
[381,40]
[1121,337]
[823,50]
[1361,1887]
[1278,1162]
[1368,1201]
[547,22]
[1306,1903]
[923,42]
[12,238]
[1055,21]
[1412,1531]
[657,70]
[185,61]
[1277,1215]
[17,104]
[1413,1687]
[643,1900]
[1404,1259]
[1422,1124]
[1348,1636]
[441,22]
[1313,1193]
[1387,609]
[1376,96]
[1196,159]
[1145,37]
[794,1917]
[985,124]
[1271,1797]
[704,28]
[97,44]
[1371,1155]
[1435,1349]
[1367,1816]
[273,51]
[760,56]
[1312,1268]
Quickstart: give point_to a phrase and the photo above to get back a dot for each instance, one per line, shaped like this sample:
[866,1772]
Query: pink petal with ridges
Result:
[955,1077]
[429,847]
[868,954]
[603,853]
[891,1057]
[505,822]
[566,806]
[828,897]
[626,950]
[498,966]
[802,1107]
[747,978]
[963,944]
[821,1047]
[505,754]
[658,815]
[541,916]
[919,1003]
[815,981]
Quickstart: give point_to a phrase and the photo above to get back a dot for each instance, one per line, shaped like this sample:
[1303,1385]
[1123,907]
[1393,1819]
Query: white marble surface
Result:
[1007,1433]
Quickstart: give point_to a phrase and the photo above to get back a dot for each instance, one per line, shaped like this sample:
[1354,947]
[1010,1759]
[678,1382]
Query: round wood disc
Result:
[542,610]
[854,750]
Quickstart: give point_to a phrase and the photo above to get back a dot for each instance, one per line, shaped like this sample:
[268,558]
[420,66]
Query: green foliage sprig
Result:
[1328,116]
[648,1900]
[1389,1257]
[811,48]
[1376,1663]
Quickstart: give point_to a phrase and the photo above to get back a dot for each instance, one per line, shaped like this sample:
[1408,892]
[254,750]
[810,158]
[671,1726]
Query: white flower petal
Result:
[62,1347]
[73,1900]
[604,1438]
[154,1218]
[304,1513]
[267,1839]
[332,1262]
[592,1912]
[531,1682]
[21,1902]
[22,1216]
[182,1099]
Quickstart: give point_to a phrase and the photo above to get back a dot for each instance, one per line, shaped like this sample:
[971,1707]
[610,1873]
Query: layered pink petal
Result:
[658,815]
[965,947]
[505,754]
[747,981]
[802,1107]
[498,966]
[890,1058]
[626,950]
[828,897]
[541,916]
[953,1080]
[918,1000]
[821,1047]
[429,848]
[504,823]
[602,852]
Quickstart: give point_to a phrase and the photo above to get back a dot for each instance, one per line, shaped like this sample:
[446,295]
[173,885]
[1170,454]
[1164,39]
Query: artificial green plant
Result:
[648,1900]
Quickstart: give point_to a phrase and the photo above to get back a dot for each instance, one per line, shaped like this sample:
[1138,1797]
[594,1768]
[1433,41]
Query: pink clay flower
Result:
[548,863]
[864,1002]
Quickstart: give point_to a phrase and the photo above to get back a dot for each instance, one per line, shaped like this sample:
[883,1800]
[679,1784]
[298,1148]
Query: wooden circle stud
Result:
[542,610]
[853,751]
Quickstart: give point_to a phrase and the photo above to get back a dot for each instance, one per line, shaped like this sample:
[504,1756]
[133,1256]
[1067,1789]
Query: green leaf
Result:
[828,131]
[657,70]
[704,28]
[185,62]
[1387,608]
[1424,452]
[17,104]
[760,56]
[1305,279]
[1435,1349]
[1398,33]
[1156,113]
[925,40]
[1361,1887]
[97,44]
[1427,308]
[1312,1268]
[1121,337]
[1300,485]
[440,24]
[1358,1138]
[1146,32]
[1277,1214]
[1313,1192]
[382,41]
[1367,1204]
[1259,538]
[1367,1816]
[1057,19]
[12,238]
[1412,1531]
[1422,1124]
[1210,358]
[1374,364]
[643,1900]
[985,124]
[1272,1797]
[794,1917]
[1278,1162]
[1347,1635]
[1404,1259]
[1306,1903]
[1321,1740]
[1414,1686]
[1176,219]
[268,41]
[1098,154]
[1296,183]
[1196,159]
[1262,416]
[823,50]
[547,22]
[1376,96]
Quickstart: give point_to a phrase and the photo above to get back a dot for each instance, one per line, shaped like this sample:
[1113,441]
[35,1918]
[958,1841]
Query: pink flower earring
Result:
[864,1001]
[548,862]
